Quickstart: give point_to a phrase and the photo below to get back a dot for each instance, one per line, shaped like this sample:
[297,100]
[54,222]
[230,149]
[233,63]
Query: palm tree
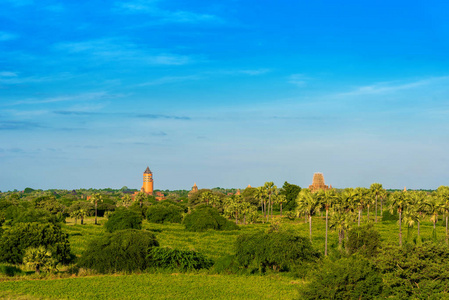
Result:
[399,201]
[261,194]
[433,207]
[140,197]
[214,199]
[38,258]
[418,200]
[376,190]
[308,204]
[205,196]
[126,201]
[327,198]
[280,199]
[94,199]
[442,193]
[271,190]
[411,217]
[360,200]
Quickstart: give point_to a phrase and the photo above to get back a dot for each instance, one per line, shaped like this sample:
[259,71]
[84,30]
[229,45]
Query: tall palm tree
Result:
[442,193]
[281,199]
[360,199]
[376,190]
[418,201]
[206,196]
[140,197]
[95,199]
[126,200]
[327,198]
[308,204]
[399,201]
[433,207]
[261,195]
[271,190]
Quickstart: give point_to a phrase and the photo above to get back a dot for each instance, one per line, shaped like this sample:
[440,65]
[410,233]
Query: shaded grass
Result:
[154,286]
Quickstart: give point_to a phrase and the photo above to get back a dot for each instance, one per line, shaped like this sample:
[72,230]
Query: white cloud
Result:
[169,79]
[8,74]
[7,36]
[90,96]
[164,16]
[116,50]
[298,80]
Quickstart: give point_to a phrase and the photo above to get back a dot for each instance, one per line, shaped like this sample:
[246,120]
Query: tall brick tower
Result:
[148,181]
[318,183]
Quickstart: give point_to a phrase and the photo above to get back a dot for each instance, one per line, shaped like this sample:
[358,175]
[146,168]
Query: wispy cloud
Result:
[18,125]
[169,79]
[7,36]
[8,74]
[299,80]
[391,87]
[119,50]
[92,96]
[163,16]
[157,116]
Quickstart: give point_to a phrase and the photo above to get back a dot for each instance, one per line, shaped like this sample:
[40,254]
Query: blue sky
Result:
[223,93]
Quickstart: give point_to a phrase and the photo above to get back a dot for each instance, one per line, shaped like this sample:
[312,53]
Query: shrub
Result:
[123,250]
[389,217]
[415,271]
[346,278]
[277,250]
[178,259]
[10,270]
[207,217]
[364,239]
[21,236]
[37,215]
[161,213]
[123,218]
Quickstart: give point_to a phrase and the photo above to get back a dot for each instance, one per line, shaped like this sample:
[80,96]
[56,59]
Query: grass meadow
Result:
[200,285]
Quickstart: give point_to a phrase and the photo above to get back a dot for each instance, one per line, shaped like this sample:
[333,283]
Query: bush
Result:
[278,250]
[161,213]
[21,236]
[178,259]
[10,270]
[389,217]
[415,271]
[123,250]
[346,278]
[122,219]
[37,215]
[364,239]
[207,217]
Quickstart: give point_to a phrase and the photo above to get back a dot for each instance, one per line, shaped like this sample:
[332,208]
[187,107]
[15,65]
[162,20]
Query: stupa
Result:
[318,183]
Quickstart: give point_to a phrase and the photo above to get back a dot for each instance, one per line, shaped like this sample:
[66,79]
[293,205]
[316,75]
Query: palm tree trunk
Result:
[325,241]
[400,228]
[360,214]
[368,215]
[310,226]
[95,212]
[375,219]
[281,209]
[76,219]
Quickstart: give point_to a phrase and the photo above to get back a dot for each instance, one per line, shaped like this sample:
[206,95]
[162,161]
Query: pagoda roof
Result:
[147,171]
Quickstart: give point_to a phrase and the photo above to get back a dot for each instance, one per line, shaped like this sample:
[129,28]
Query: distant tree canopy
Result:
[206,217]
[161,213]
[19,237]
[291,192]
[123,218]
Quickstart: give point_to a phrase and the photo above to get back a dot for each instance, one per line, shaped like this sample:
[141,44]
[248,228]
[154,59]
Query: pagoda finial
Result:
[147,171]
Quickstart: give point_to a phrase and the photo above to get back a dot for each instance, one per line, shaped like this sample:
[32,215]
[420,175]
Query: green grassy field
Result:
[213,244]
[153,286]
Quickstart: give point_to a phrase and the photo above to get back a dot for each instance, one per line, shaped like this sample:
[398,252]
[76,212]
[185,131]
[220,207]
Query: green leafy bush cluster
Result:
[389,217]
[10,270]
[206,217]
[347,278]
[178,259]
[123,250]
[21,236]
[123,218]
[277,250]
[160,213]
[364,239]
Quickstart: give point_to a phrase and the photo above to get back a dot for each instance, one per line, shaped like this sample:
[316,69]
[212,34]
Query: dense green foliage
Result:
[123,250]
[207,217]
[278,250]
[364,239]
[160,213]
[346,278]
[123,218]
[290,191]
[16,239]
[184,260]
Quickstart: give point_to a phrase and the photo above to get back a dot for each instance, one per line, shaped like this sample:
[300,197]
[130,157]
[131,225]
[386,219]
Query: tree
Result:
[291,192]
[442,193]
[342,214]
[327,198]
[261,194]
[399,201]
[123,218]
[95,198]
[39,258]
[418,201]
[360,200]
[271,190]
[376,190]
[308,204]
[140,197]
[126,201]
[280,199]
